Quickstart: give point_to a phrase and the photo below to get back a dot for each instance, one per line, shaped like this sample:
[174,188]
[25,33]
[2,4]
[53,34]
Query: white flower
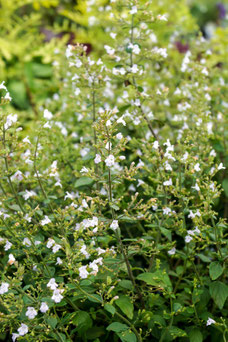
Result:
[29,194]
[77,91]
[52,284]
[59,261]
[133,10]
[205,72]
[50,243]
[113,35]
[8,245]
[172,251]
[23,329]
[210,321]
[11,259]
[57,297]
[44,307]
[17,176]
[168,182]
[47,114]
[84,170]
[160,51]
[4,288]
[110,51]
[119,136]
[134,69]
[166,211]
[97,159]
[69,51]
[31,312]
[55,248]
[155,144]
[197,167]
[27,242]
[110,160]
[221,166]
[114,225]
[196,187]
[7,96]
[10,120]
[2,86]
[45,221]
[188,238]
[26,140]
[162,17]
[121,120]
[83,273]
[15,336]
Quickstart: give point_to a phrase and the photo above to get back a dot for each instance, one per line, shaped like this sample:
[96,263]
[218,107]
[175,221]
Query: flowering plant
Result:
[109,228]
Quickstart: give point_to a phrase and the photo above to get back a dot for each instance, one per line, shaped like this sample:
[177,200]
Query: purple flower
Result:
[221,10]
[182,48]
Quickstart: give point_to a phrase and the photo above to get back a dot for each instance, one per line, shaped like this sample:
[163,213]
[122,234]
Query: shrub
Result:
[108,223]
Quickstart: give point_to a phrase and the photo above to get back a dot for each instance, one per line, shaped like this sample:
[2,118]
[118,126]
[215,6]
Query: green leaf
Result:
[219,293]
[215,270]
[225,186]
[110,308]
[166,233]
[83,181]
[126,284]
[158,279]
[117,327]
[204,258]
[52,321]
[125,305]
[15,207]
[82,321]
[127,336]
[195,335]
[177,332]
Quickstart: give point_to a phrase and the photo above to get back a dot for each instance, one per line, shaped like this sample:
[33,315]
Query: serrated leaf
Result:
[219,293]
[52,322]
[158,279]
[110,308]
[83,181]
[215,270]
[127,336]
[195,335]
[125,305]
[117,327]
[83,322]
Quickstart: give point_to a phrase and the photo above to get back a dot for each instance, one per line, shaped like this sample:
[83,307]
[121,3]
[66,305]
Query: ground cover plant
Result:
[112,220]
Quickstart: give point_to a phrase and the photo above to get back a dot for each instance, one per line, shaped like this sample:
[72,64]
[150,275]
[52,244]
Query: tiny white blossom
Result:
[31,312]
[47,114]
[45,221]
[97,159]
[27,242]
[166,211]
[44,307]
[155,144]
[133,10]
[55,248]
[8,245]
[221,166]
[52,284]
[26,140]
[59,261]
[119,136]
[197,167]
[11,259]
[168,182]
[83,273]
[84,170]
[57,297]
[188,238]
[114,225]
[210,321]
[110,160]
[23,329]
[4,288]
[172,251]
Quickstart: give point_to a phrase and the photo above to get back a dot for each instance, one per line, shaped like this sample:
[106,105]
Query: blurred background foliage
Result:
[33,32]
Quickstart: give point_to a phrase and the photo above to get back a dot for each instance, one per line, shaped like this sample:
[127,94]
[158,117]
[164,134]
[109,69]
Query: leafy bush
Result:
[111,225]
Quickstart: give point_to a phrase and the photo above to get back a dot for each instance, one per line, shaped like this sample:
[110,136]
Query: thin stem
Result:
[130,325]
[8,176]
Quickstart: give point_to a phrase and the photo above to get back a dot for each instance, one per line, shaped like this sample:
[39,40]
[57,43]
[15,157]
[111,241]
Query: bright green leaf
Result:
[125,305]
[215,270]
[117,327]
[219,293]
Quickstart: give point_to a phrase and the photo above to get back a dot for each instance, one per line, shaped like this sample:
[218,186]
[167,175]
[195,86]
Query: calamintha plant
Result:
[108,224]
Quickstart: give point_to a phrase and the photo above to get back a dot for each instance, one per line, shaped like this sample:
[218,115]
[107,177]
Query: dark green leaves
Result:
[125,305]
[215,270]
[157,279]
[195,335]
[83,181]
[117,327]
[219,293]
[82,321]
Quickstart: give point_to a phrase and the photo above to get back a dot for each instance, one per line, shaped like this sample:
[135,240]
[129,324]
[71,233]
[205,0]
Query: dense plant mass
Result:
[112,211]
